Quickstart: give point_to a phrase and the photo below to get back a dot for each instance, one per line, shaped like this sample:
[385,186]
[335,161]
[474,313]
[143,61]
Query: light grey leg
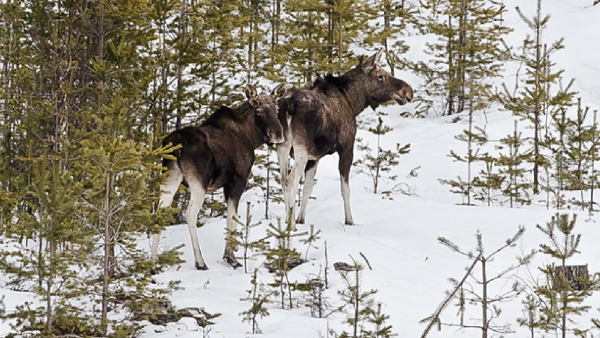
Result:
[346,197]
[291,186]
[191,216]
[168,189]
[230,248]
[283,154]
[309,183]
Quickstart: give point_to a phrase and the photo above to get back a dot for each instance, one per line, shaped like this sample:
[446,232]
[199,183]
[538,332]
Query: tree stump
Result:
[577,275]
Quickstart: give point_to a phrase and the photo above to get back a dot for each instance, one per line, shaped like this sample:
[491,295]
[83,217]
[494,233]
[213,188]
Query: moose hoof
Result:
[300,221]
[201,267]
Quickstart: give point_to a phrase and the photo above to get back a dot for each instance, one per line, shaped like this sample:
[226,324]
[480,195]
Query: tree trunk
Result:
[107,250]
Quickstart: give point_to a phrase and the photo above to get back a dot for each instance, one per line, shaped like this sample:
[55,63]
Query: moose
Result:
[322,120]
[220,154]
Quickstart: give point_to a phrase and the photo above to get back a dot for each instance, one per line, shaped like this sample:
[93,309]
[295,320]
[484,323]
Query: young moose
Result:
[322,121]
[220,153]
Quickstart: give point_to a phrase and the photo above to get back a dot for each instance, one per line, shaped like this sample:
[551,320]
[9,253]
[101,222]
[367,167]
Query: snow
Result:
[399,235]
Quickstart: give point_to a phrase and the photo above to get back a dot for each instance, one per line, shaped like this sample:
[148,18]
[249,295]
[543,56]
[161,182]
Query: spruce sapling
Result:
[560,300]
[578,155]
[531,317]
[312,237]
[241,238]
[278,256]
[378,164]
[511,168]
[379,321]
[474,139]
[258,302]
[315,298]
[356,299]
[488,183]
[490,309]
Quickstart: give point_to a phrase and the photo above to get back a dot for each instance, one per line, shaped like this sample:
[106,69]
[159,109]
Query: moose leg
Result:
[291,184]
[191,216]
[169,189]
[283,155]
[233,193]
[309,183]
[344,166]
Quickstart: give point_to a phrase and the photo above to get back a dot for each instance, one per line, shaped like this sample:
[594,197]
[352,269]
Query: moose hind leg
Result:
[344,166]
[191,216]
[309,183]
[283,155]
[168,189]
[291,185]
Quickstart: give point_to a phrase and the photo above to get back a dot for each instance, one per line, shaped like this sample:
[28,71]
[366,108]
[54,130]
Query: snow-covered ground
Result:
[399,235]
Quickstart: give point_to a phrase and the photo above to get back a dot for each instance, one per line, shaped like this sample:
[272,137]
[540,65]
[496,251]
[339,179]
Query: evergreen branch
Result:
[435,318]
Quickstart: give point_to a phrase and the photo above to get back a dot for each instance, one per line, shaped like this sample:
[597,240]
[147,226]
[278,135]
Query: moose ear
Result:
[372,61]
[279,91]
[250,92]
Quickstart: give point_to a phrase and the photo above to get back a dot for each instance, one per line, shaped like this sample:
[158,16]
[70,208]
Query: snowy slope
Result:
[399,235]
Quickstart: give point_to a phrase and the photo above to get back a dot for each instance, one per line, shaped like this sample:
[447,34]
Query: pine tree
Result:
[469,51]
[530,317]
[278,256]
[511,168]
[593,137]
[488,183]
[379,320]
[376,165]
[578,153]
[473,138]
[49,268]
[241,238]
[561,300]
[395,16]
[259,301]
[358,301]
[535,100]
[490,308]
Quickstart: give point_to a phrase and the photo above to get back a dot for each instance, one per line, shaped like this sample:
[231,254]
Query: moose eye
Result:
[380,77]
[260,112]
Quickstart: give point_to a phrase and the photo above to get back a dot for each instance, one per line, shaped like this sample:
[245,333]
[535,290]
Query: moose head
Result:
[381,86]
[265,112]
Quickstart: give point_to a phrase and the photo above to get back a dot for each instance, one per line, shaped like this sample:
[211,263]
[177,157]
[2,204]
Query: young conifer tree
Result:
[50,267]
[476,290]
[356,300]
[534,99]
[578,153]
[241,238]
[259,301]
[512,169]
[562,301]
[377,164]
[278,256]
[309,42]
[488,183]
[475,138]
[386,34]
[469,51]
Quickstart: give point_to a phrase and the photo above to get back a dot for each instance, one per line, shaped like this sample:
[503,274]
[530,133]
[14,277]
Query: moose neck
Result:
[244,117]
[350,86]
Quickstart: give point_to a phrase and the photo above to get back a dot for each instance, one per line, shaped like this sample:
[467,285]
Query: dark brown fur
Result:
[322,120]
[220,154]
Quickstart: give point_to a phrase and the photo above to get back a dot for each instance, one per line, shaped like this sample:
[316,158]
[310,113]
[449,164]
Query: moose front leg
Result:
[233,193]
